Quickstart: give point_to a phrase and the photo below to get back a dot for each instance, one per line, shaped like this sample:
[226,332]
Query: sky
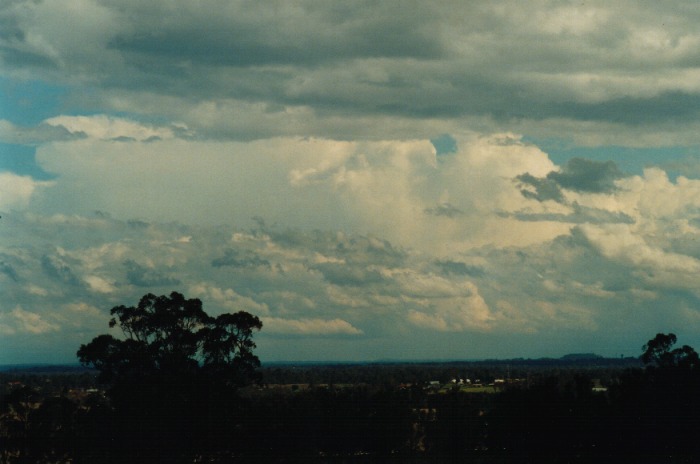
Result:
[395,180]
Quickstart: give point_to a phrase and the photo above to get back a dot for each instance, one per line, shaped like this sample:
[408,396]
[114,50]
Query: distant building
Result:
[598,387]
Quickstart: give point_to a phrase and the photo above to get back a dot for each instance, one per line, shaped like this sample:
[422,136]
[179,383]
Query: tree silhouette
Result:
[657,352]
[173,376]
[174,334]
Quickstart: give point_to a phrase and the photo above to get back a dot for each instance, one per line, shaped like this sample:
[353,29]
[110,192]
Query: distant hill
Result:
[43,368]
[580,356]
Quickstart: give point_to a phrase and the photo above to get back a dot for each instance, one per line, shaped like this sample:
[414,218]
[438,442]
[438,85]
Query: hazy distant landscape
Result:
[315,412]
[580,408]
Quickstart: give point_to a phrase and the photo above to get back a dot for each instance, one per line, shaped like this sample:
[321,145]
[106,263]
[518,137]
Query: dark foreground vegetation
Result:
[181,387]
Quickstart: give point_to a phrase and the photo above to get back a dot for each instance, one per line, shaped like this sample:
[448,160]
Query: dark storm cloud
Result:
[9,271]
[142,276]
[137,224]
[19,58]
[12,133]
[241,259]
[511,61]
[10,30]
[251,43]
[258,52]
[541,189]
[675,106]
[585,175]
[580,215]
[349,275]
[444,209]
[350,248]
[14,49]
[57,268]
[370,249]
[579,174]
[460,268]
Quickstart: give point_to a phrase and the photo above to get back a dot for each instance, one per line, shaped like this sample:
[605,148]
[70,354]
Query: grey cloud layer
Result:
[298,33]
[626,64]
[338,285]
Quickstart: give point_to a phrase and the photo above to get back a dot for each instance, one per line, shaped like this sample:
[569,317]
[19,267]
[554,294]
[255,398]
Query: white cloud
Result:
[81,316]
[11,133]
[19,321]
[84,309]
[379,187]
[17,191]
[105,127]
[309,326]
[386,239]
[98,284]
[618,241]
[464,313]
[654,196]
[227,300]
[36,290]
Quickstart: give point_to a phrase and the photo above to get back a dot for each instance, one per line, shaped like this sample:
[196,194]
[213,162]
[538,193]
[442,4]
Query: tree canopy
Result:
[174,334]
[658,352]
[173,377]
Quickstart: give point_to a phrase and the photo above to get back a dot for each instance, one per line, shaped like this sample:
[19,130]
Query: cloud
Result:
[57,268]
[99,284]
[9,271]
[17,191]
[237,259]
[299,69]
[379,143]
[540,189]
[342,274]
[579,175]
[103,127]
[44,132]
[375,187]
[334,239]
[588,176]
[460,268]
[469,312]
[309,326]
[228,299]
[506,292]
[577,215]
[142,276]
[19,321]
[303,34]
[655,195]
[444,209]
[620,242]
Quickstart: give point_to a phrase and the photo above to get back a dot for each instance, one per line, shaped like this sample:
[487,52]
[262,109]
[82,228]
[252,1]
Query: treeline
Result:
[646,415]
[395,373]
[181,386]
